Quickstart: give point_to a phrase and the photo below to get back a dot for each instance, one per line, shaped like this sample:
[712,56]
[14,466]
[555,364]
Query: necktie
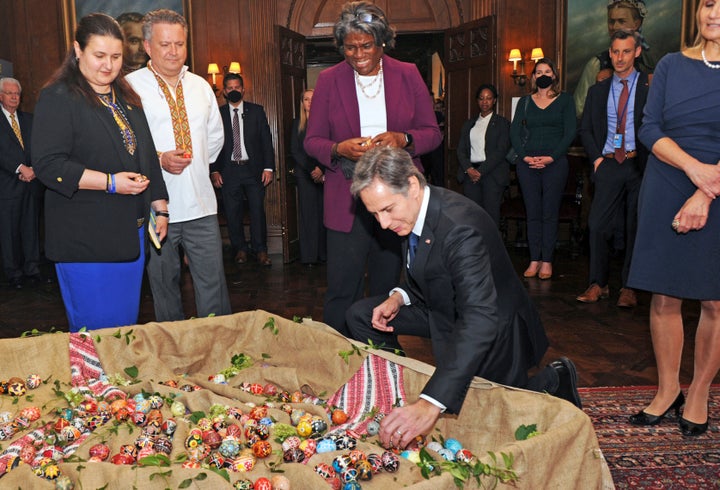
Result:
[237,141]
[622,116]
[16,129]
[412,247]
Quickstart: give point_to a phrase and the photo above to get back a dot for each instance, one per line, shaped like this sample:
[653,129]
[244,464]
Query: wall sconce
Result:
[537,53]
[515,56]
[235,68]
[213,70]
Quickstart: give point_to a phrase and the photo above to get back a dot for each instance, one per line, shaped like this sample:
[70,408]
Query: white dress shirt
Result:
[477,139]
[192,195]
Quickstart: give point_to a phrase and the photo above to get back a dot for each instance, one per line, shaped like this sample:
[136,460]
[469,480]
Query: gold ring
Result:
[675,224]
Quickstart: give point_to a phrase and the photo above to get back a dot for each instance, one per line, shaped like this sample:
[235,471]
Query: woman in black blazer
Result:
[93,150]
[310,178]
[484,142]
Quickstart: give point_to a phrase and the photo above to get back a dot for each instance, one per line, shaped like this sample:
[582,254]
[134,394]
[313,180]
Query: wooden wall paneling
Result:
[470,59]
[293,73]
[264,78]
[33,39]
[316,18]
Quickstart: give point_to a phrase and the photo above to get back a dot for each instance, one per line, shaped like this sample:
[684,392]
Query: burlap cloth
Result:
[565,455]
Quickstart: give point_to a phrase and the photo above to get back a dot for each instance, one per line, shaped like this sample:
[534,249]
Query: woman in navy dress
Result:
[677,250]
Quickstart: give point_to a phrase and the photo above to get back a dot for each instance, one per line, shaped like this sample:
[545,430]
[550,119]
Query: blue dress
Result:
[684,105]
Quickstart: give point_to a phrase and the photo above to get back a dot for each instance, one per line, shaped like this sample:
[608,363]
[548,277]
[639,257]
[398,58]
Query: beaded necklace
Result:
[714,66]
[128,135]
[376,80]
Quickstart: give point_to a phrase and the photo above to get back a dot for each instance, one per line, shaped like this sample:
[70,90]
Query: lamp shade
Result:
[537,53]
[515,55]
[235,67]
[213,69]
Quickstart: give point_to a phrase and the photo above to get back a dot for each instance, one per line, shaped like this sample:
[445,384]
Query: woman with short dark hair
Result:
[368,100]
[484,141]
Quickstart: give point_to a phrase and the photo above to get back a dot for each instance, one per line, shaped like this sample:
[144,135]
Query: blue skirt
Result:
[102,294]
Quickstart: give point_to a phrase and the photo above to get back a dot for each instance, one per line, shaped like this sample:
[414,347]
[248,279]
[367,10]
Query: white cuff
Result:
[406,298]
[434,402]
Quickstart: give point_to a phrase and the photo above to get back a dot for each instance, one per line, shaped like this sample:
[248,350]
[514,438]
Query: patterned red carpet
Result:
[657,457]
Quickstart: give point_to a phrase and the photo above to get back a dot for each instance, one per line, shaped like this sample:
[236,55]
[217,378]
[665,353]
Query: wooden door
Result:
[470,60]
[293,76]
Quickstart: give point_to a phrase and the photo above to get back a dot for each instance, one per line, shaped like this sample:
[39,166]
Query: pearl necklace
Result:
[377,79]
[714,66]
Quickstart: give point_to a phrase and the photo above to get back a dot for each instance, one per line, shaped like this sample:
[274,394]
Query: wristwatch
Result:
[408,139]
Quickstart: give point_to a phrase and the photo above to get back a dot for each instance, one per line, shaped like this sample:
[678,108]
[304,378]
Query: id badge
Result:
[618,140]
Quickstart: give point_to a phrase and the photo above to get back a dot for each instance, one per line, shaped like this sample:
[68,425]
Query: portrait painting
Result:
[129,15]
[115,8]
[587,32]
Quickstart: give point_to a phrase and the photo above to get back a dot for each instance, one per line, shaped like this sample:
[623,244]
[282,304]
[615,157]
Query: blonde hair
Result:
[303,114]
[699,39]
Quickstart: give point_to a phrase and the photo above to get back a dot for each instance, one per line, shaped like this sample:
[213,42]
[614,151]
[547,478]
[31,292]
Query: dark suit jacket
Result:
[335,117]
[256,137]
[12,155]
[482,321]
[70,135]
[497,144]
[594,126]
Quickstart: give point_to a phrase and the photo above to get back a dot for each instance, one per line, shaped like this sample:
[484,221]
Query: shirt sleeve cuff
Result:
[434,402]
[406,298]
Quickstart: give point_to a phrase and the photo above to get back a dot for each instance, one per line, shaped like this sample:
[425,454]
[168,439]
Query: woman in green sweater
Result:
[542,130]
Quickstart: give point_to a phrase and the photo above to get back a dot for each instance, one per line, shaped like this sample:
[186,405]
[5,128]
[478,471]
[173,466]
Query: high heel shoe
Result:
[691,429]
[643,418]
[531,271]
[545,275]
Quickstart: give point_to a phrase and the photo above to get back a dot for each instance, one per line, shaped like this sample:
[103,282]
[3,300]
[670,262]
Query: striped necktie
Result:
[16,130]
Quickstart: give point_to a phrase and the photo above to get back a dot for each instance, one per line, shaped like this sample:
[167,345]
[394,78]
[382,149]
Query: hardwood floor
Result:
[609,345]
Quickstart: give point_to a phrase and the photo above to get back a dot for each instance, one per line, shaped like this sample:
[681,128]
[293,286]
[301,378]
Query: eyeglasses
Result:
[17,94]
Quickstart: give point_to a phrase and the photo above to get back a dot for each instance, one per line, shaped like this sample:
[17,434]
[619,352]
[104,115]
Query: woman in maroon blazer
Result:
[368,100]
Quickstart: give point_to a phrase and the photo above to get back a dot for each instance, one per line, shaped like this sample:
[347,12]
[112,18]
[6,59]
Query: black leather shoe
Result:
[567,387]
[644,418]
[691,429]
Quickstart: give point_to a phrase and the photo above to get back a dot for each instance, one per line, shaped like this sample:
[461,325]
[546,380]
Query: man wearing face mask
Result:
[244,168]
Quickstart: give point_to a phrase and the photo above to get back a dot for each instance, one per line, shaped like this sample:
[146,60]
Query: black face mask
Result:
[234,96]
[543,81]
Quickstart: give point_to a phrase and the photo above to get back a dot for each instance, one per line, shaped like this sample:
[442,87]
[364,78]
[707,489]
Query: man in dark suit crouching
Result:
[460,290]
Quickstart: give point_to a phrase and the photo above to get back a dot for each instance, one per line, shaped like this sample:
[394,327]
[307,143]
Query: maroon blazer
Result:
[335,117]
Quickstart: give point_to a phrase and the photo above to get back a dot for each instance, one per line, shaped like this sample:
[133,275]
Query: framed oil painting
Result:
[125,11]
[666,26]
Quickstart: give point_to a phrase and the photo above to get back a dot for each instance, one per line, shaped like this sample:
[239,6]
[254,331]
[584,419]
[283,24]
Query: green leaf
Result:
[196,416]
[155,460]
[222,472]
[201,476]
[185,483]
[297,319]
[131,371]
[522,432]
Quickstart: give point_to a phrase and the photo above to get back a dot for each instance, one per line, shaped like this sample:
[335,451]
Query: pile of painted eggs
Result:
[347,470]
[18,387]
[449,450]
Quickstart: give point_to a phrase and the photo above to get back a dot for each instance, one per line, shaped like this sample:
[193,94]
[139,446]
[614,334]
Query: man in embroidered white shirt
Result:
[185,122]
